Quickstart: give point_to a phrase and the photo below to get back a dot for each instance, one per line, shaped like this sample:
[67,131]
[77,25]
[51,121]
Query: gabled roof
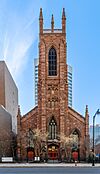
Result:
[30,113]
[76,114]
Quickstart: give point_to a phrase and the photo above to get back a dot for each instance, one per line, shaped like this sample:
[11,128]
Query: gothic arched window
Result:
[75,136]
[52,129]
[52,62]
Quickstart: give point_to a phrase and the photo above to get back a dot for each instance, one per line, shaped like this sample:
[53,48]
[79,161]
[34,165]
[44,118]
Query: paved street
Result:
[45,168]
[51,170]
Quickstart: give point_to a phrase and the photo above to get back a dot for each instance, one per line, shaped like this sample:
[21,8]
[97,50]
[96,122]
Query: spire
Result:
[86,111]
[18,119]
[87,120]
[19,113]
[41,15]
[52,23]
[63,13]
[63,21]
[41,21]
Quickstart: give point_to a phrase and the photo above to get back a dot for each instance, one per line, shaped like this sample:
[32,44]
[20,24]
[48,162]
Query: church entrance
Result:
[53,152]
[30,154]
[76,154]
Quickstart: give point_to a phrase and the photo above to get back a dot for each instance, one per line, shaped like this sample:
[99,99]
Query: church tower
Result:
[53,121]
[52,84]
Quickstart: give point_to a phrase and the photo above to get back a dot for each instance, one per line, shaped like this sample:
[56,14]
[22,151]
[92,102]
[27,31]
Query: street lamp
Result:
[97,113]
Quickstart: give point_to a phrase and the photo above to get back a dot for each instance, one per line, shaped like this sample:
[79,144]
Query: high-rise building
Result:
[36,63]
[69,76]
[5,133]
[96,131]
[8,94]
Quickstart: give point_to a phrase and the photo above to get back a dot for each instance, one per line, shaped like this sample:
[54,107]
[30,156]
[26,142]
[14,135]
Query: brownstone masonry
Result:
[52,130]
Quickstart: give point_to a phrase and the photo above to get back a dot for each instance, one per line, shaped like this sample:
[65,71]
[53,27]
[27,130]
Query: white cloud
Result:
[20,32]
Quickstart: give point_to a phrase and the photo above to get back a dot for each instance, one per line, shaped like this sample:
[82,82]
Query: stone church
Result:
[52,130]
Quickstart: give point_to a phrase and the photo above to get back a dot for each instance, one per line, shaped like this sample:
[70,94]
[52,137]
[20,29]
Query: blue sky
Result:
[19,46]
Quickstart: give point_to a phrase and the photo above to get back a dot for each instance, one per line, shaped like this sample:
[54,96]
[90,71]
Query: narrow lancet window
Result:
[52,61]
[52,129]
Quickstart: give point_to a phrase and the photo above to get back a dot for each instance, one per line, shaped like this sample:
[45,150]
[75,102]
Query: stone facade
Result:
[52,115]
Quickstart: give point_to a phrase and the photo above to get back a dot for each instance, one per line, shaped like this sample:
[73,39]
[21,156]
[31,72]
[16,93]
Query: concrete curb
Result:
[43,165]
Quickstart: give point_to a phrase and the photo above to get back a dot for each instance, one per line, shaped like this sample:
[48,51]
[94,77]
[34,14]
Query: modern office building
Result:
[96,132]
[8,94]
[69,76]
[96,138]
[5,133]
[36,63]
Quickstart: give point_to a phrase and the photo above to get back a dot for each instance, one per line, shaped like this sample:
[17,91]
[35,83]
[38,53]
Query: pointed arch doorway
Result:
[76,145]
[53,143]
[30,154]
[53,151]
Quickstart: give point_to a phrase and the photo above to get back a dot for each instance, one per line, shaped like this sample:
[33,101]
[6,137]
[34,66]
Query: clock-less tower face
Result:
[52,117]
[52,86]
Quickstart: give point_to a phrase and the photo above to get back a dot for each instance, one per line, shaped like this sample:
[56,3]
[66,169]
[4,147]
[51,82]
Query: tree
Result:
[67,144]
[37,140]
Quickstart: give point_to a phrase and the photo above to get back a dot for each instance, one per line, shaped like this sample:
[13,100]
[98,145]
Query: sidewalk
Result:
[48,165]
